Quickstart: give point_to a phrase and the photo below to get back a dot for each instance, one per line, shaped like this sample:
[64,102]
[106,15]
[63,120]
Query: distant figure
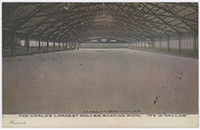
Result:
[77,48]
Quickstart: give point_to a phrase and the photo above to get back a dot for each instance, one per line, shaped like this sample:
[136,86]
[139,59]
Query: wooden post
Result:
[79,45]
[39,43]
[54,44]
[12,44]
[179,43]
[47,43]
[70,45]
[149,46]
[28,43]
[74,46]
[160,43]
[153,44]
[66,45]
[168,43]
[63,44]
[42,45]
[195,41]
[59,43]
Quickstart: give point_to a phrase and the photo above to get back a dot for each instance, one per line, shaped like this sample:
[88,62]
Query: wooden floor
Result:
[95,79]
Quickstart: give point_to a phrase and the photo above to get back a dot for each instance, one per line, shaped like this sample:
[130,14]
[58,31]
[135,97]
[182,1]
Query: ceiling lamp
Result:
[66,8]
[104,15]
[139,7]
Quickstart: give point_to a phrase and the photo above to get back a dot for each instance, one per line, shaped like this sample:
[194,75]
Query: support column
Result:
[160,43]
[27,42]
[142,45]
[153,44]
[54,44]
[195,41]
[79,45]
[168,44]
[179,43]
[70,45]
[75,46]
[42,45]
[149,46]
[66,46]
[63,44]
[59,43]
[12,44]
[39,44]
[47,43]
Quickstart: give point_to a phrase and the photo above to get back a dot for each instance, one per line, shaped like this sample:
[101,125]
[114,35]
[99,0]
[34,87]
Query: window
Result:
[103,40]
[113,40]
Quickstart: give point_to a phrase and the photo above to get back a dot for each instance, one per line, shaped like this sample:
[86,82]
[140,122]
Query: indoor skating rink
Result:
[100,79]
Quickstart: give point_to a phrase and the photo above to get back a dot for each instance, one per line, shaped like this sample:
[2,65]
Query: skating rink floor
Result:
[100,79]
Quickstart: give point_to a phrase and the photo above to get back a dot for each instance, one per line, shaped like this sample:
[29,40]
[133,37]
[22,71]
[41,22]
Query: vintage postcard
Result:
[100,64]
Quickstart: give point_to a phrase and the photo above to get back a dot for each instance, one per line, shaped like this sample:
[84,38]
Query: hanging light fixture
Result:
[66,7]
[139,7]
[104,15]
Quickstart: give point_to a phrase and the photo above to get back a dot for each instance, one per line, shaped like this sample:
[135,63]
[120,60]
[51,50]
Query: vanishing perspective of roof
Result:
[82,21]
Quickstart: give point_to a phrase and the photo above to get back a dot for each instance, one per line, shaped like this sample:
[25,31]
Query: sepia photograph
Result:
[100,64]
